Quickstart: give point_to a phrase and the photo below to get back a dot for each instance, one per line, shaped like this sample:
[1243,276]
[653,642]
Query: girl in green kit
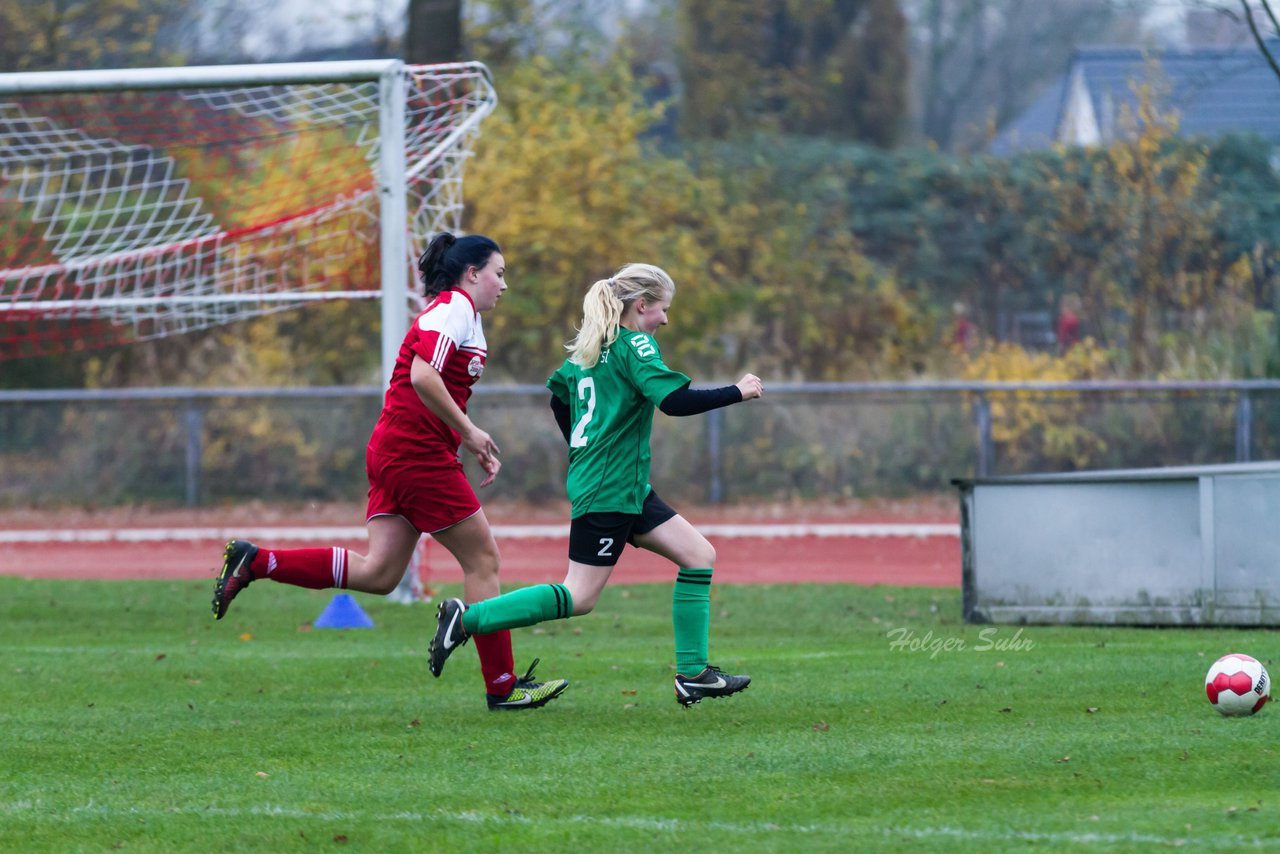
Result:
[603,398]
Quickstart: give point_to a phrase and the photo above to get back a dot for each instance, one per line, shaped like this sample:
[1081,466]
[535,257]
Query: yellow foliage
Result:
[1150,209]
[562,181]
[45,35]
[1045,426]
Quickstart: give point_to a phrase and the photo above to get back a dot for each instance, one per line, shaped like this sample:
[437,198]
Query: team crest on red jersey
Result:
[475,367]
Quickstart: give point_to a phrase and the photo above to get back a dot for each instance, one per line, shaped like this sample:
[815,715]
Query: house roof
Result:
[1215,91]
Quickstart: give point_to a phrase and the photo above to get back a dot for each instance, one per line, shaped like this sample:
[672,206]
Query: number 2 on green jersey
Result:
[586,391]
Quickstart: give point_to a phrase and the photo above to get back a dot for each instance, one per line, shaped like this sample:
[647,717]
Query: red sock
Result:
[497,662]
[313,568]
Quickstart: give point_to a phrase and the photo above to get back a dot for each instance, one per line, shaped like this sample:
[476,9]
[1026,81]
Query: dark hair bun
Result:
[447,258]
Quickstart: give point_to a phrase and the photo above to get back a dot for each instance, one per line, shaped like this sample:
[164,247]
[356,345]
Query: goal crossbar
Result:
[202,76]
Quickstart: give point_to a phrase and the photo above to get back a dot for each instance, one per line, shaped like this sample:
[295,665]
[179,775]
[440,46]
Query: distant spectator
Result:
[964,335]
[1068,328]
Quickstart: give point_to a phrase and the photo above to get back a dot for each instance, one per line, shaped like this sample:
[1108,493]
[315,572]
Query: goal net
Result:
[151,202]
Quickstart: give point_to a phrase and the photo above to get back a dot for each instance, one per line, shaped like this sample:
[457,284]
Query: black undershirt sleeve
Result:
[560,410]
[687,401]
[682,401]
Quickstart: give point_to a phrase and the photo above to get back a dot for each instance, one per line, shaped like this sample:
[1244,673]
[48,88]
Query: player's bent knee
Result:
[699,556]
[381,585]
[377,578]
[584,601]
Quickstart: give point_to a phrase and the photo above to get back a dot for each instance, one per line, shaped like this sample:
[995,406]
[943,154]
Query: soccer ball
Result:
[1237,685]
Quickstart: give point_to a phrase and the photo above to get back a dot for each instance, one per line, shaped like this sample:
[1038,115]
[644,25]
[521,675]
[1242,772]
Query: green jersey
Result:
[610,417]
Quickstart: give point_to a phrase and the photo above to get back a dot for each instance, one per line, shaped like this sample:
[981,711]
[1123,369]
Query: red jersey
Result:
[1068,330]
[449,336]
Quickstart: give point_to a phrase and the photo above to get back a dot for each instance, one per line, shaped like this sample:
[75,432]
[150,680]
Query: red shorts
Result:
[432,494]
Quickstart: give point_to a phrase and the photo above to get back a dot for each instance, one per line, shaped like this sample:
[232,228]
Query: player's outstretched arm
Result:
[688,401]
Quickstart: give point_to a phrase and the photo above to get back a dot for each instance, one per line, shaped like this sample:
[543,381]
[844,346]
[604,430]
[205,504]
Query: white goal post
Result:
[141,203]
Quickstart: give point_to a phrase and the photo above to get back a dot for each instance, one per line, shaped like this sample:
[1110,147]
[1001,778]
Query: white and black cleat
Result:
[711,682]
[449,633]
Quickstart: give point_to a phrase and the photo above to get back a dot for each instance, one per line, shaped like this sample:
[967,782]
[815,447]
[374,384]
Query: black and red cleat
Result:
[235,575]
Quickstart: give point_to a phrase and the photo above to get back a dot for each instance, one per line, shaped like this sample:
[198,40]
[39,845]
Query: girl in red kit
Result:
[416,481]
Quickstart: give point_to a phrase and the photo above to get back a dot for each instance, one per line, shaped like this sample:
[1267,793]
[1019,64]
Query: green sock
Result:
[522,607]
[691,618]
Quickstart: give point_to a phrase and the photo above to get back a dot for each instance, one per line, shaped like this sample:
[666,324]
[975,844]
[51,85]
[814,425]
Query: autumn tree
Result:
[565,180]
[1138,218]
[503,33]
[834,68]
[45,35]
[562,181]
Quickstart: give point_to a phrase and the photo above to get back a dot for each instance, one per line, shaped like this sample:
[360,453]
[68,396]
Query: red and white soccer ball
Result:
[1237,685]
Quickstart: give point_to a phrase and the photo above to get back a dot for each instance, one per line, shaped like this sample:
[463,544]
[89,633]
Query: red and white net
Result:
[141,213]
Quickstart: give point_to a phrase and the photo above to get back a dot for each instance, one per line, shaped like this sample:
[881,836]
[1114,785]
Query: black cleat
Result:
[711,682]
[449,633]
[235,575]
[528,694]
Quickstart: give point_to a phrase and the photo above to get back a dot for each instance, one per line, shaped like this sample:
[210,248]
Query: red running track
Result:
[900,560]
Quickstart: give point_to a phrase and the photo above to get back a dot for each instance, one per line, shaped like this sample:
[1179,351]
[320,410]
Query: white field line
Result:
[323,533]
[50,813]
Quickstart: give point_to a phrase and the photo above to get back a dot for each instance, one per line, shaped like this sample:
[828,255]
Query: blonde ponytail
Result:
[604,304]
[601,311]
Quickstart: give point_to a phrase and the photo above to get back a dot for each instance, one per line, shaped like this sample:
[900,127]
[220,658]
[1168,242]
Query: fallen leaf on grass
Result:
[1231,811]
[821,726]
[246,637]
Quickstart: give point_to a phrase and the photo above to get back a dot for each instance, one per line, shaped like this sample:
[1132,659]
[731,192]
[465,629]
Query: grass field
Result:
[133,721]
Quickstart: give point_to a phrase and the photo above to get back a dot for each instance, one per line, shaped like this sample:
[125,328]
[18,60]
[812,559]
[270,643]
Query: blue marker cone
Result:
[343,613]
